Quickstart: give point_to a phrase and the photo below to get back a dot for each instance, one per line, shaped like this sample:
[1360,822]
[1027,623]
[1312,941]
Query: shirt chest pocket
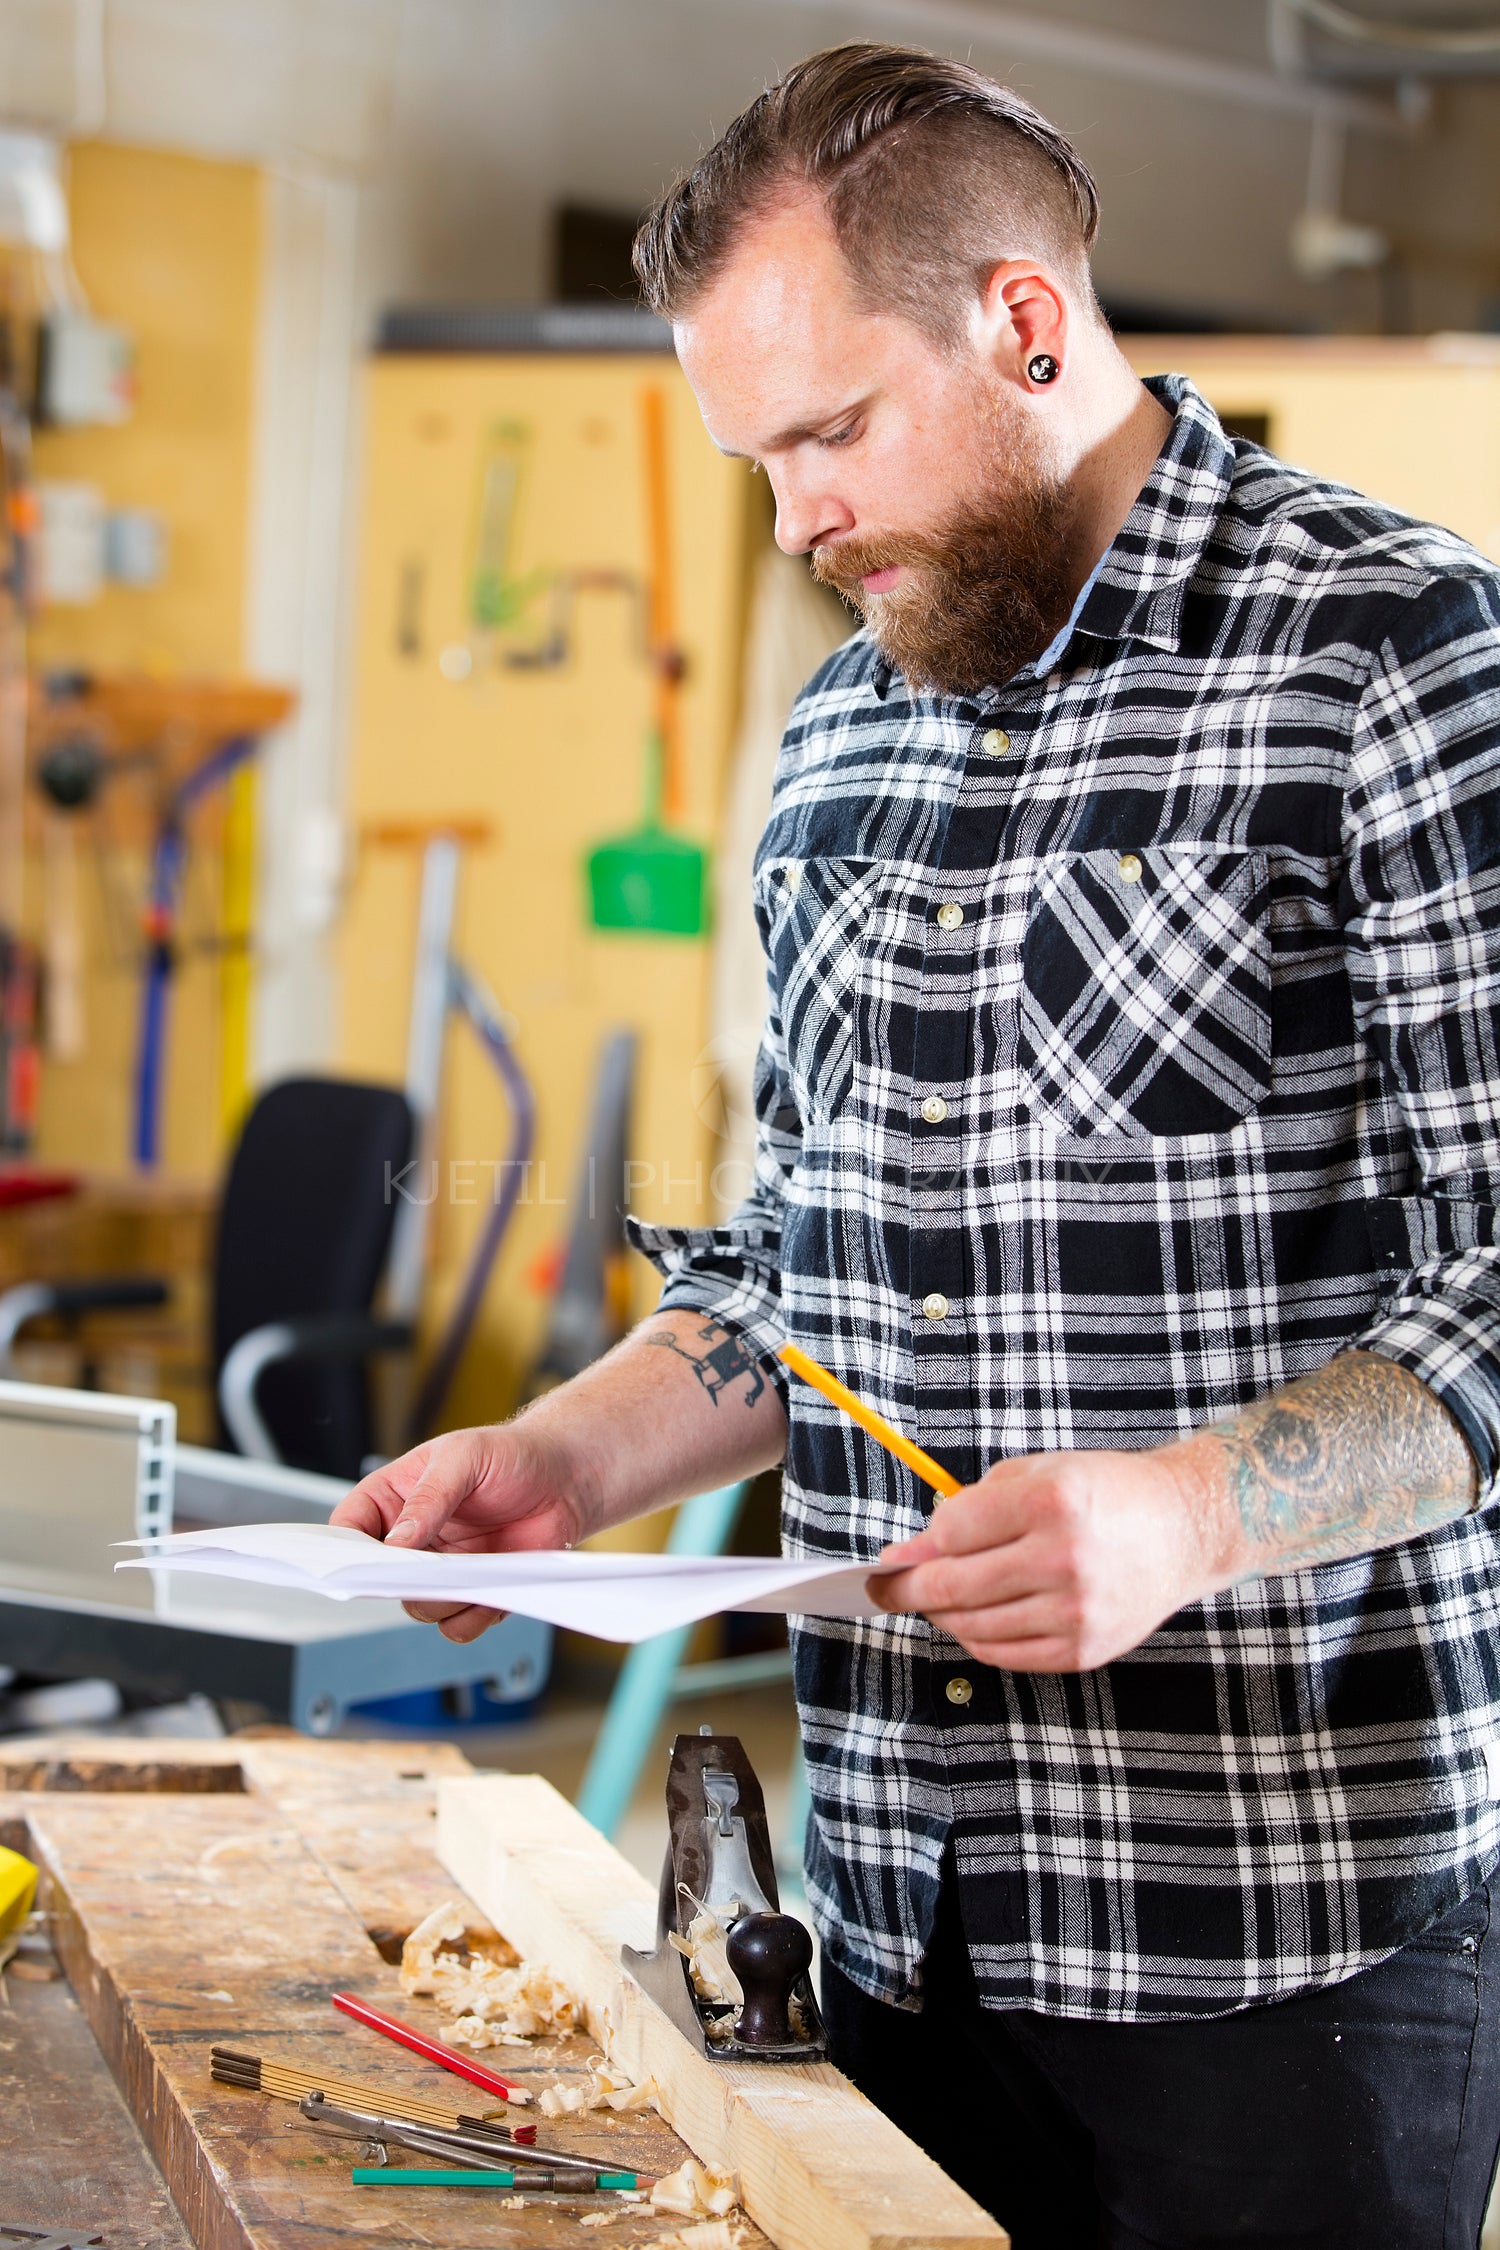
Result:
[815,917]
[1146,993]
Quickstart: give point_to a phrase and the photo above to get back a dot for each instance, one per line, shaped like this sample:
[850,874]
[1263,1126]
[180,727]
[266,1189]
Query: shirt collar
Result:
[1137,588]
[1142,581]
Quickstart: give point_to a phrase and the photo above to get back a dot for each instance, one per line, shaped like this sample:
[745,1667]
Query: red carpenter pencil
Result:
[365,2011]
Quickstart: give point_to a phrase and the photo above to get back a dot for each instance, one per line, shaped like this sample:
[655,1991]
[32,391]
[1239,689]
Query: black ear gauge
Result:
[1043,368]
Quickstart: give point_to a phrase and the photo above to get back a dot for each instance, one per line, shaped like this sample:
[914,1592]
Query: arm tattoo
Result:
[1358,1456]
[717,1355]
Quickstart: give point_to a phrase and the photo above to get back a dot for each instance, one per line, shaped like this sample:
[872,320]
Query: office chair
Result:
[304,1232]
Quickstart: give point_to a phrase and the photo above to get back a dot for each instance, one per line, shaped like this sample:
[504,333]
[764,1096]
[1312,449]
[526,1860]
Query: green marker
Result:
[561,2183]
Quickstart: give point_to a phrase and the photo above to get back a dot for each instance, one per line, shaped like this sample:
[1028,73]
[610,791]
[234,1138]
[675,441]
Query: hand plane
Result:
[719,1869]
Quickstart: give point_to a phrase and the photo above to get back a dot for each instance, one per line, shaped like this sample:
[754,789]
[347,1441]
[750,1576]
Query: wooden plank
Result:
[103,1764]
[193,1917]
[186,1920]
[820,2168]
[365,1810]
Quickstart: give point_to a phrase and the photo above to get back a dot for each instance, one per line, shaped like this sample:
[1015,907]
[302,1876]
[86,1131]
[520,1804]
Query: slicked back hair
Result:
[930,174]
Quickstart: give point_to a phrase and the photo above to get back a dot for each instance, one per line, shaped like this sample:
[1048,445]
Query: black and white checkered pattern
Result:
[1218,1033]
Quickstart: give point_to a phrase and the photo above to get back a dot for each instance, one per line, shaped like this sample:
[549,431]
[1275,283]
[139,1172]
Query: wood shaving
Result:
[601,2218]
[696,2193]
[493,2005]
[558,2100]
[705,1949]
[607,2089]
[715,2234]
[443,1926]
[613,2090]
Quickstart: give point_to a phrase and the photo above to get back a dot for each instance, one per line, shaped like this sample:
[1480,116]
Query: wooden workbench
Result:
[217,1892]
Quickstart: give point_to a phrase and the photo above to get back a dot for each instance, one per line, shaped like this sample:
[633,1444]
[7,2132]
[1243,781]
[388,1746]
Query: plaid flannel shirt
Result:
[1133,1048]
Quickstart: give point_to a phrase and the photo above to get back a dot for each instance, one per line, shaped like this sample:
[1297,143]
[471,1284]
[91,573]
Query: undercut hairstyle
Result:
[930,175]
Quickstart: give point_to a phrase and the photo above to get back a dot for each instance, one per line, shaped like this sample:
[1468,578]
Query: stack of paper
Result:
[616,1597]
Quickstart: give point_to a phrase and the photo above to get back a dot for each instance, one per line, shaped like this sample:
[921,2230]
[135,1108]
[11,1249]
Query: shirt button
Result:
[960,1690]
[994,742]
[1130,868]
[935,1306]
[950,916]
[934,1109]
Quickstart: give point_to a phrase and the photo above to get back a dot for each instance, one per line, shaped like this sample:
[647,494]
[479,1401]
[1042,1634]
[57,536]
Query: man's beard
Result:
[986,591]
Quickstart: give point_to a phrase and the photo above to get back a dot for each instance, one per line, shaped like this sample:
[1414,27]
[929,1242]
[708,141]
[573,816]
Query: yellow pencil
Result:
[867,1418]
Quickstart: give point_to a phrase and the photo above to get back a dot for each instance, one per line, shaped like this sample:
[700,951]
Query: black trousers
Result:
[1365,2114]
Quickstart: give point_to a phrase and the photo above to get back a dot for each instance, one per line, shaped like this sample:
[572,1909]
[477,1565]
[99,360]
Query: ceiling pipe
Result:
[1430,42]
[1109,54]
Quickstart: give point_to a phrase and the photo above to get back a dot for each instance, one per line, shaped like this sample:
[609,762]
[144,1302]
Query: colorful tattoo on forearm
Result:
[1358,1456]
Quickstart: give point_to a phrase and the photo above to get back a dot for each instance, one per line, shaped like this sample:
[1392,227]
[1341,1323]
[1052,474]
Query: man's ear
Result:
[1023,319]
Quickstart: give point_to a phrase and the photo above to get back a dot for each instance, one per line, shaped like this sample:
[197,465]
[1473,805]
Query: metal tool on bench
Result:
[43,2238]
[477,2148]
[719,1857]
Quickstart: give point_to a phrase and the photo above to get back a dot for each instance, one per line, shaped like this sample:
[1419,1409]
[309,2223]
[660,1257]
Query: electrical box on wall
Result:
[85,371]
[71,534]
[135,546]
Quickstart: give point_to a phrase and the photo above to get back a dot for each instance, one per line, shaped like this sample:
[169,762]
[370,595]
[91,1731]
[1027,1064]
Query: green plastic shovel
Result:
[650,880]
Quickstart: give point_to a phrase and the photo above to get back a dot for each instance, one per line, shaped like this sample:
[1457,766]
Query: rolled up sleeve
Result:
[1422,834]
[732,1273]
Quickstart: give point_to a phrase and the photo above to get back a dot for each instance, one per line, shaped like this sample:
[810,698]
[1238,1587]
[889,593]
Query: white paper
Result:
[615,1597]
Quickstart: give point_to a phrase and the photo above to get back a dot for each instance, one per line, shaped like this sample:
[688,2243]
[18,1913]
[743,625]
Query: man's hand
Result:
[680,1406]
[472,1492]
[1057,1562]
[1063,1561]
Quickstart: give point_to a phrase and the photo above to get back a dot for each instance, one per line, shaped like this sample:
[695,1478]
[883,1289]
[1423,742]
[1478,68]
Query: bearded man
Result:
[1128,1135]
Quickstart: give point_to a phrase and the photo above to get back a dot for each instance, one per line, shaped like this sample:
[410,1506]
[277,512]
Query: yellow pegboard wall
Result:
[1413,421]
[550,760]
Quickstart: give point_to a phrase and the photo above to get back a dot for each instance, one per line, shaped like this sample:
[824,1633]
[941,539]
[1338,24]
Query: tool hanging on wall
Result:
[159,925]
[500,599]
[76,776]
[442,986]
[591,1292]
[500,596]
[496,599]
[70,773]
[20,1054]
[189,740]
[652,879]
[18,523]
[668,662]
